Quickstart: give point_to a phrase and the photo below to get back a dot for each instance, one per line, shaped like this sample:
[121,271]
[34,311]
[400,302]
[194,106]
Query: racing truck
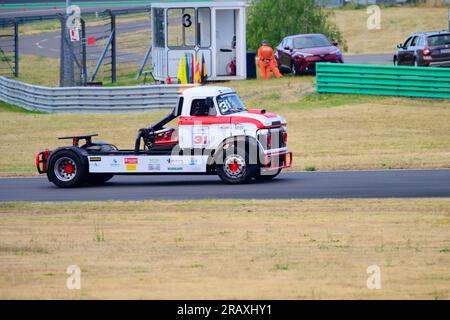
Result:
[215,135]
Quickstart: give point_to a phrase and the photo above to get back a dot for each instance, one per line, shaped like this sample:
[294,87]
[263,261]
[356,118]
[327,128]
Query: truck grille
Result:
[276,139]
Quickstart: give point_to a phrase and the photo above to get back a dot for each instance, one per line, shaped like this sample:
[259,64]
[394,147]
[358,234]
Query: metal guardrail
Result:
[89,99]
[383,80]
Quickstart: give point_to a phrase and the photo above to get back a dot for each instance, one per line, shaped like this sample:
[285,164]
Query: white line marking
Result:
[39,43]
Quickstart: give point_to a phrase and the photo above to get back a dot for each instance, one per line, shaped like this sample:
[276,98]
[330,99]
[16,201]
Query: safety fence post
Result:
[16,49]
[84,74]
[61,52]
[113,48]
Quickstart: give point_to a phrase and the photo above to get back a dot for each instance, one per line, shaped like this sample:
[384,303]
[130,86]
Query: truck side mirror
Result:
[400,46]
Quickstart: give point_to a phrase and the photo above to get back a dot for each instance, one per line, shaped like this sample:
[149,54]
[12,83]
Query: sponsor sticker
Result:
[131,167]
[154,167]
[114,163]
[95,159]
[153,161]
[131,160]
[131,164]
[175,169]
[175,162]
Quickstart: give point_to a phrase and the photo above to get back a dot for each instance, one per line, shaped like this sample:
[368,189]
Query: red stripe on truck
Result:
[209,120]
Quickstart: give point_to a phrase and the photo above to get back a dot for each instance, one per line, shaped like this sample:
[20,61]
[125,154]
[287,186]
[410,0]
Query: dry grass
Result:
[39,70]
[226,249]
[44,71]
[396,25]
[385,134]
[326,132]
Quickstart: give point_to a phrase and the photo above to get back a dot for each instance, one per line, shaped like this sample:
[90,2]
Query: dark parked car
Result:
[425,49]
[299,54]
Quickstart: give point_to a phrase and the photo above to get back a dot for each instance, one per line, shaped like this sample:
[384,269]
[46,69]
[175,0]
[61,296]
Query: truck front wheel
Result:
[234,166]
[66,170]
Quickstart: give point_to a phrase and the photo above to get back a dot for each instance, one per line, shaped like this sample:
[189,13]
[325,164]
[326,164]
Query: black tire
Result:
[267,177]
[99,178]
[67,170]
[395,61]
[415,62]
[235,157]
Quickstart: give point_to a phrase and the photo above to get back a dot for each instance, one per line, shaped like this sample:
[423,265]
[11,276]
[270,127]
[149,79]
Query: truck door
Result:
[203,128]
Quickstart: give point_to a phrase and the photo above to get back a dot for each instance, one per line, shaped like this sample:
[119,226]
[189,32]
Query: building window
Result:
[158,22]
[181,28]
[204,27]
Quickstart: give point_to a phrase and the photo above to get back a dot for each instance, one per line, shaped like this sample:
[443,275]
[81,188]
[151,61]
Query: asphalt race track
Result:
[297,185]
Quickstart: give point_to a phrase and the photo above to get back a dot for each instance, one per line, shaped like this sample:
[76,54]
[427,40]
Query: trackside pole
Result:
[113,48]
[16,49]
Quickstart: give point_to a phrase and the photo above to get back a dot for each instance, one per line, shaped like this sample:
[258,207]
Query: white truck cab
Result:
[216,134]
[210,115]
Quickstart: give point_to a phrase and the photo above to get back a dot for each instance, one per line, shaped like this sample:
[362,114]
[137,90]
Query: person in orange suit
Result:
[267,62]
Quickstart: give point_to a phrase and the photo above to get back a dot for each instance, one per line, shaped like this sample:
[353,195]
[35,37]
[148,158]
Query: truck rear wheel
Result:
[66,170]
[234,166]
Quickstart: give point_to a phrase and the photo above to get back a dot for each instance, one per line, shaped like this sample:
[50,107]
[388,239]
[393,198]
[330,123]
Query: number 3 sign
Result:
[187,20]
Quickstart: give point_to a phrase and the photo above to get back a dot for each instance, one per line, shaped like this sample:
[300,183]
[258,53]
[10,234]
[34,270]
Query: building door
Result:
[225,41]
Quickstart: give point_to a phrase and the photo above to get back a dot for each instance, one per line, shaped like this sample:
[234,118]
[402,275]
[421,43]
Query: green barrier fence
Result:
[383,80]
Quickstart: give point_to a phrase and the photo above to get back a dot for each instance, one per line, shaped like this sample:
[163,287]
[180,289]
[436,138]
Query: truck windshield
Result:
[229,104]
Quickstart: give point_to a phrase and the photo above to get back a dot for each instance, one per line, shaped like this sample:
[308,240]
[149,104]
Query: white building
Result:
[215,30]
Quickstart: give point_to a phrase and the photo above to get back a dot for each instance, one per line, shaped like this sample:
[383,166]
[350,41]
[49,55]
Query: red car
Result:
[299,54]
